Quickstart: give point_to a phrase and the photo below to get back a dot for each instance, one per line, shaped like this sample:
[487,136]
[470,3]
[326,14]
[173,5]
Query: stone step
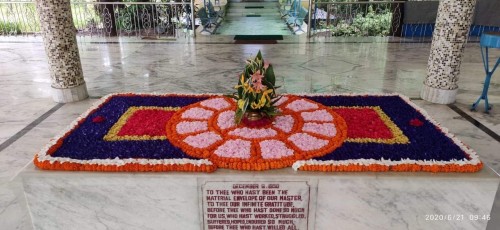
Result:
[253,18]
[241,19]
[246,15]
[268,10]
[231,1]
[231,8]
[243,4]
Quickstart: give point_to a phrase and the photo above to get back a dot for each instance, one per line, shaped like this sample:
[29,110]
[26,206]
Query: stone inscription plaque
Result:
[262,205]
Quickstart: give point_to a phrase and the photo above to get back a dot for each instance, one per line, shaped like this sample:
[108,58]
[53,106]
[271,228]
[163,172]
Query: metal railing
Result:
[381,18]
[374,18]
[170,19]
[104,19]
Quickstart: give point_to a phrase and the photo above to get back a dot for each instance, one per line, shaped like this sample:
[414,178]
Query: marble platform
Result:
[86,200]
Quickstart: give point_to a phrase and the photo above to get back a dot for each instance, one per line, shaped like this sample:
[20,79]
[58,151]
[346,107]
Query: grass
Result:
[18,18]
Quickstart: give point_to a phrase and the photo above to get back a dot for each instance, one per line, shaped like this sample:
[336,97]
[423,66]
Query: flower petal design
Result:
[325,129]
[234,149]
[307,142]
[197,113]
[253,133]
[279,143]
[274,149]
[184,127]
[202,140]
[216,103]
[301,105]
[225,120]
[284,123]
[320,115]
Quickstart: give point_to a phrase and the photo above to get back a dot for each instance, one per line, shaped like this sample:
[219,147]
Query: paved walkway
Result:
[253,18]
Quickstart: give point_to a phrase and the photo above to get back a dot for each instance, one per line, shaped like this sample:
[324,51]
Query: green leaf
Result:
[276,100]
[238,116]
[269,75]
[240,92]
[231,96]
[251,98]
[259,56]
[245,106]
[268,84]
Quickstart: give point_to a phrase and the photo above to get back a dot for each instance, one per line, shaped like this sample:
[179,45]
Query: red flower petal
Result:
[98,119]
[416,122]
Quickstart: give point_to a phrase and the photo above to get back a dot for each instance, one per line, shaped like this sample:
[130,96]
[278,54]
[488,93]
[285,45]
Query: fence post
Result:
[309,23]
[112,20]
[397,20]
[328,15]
[193,26]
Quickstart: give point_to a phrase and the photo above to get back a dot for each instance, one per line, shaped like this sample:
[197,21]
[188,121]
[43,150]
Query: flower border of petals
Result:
[44,160]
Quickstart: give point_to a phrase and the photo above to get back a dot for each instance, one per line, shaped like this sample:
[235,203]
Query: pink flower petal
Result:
[281,101]
[301,105]
[197,113]
[234,148]
[253,133]
[320,115]
[216,103]
[226,120]
[202,140]
[191,126]
[273,149]
[326,129]
[284,123]
[307,142]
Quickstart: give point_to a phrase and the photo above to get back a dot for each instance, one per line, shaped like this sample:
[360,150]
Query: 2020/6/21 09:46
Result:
[456,217]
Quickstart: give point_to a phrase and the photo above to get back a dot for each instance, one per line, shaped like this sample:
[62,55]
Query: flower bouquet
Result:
[256,93]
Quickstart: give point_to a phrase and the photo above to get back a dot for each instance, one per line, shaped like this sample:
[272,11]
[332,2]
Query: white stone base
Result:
[70,95]
[364,200]
[439,96]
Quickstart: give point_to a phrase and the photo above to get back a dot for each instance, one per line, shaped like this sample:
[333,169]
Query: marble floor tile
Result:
[17,155]
[13,208]
[25,90]
[212,65]
[495,212]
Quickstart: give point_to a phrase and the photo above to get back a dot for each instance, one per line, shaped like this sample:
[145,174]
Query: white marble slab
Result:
[13,209]
[80,200]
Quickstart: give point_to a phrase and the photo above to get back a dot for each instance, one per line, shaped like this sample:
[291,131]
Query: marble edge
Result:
[286,174]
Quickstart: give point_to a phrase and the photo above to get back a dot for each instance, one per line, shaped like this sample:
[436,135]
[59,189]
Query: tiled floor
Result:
[188,67]
[243,18]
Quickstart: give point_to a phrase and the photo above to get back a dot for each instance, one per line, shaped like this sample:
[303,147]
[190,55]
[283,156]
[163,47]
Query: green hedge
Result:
[371,24]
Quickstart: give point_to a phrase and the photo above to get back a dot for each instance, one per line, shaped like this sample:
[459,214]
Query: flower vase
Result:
[256,119]
[253,115]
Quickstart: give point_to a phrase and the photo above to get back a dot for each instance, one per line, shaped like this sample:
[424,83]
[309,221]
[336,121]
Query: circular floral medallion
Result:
[304,129]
